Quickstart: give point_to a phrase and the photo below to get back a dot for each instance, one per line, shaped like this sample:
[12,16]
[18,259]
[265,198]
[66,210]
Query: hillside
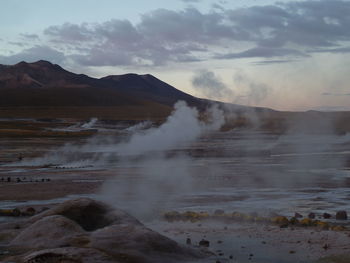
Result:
[42,89]
[44,84]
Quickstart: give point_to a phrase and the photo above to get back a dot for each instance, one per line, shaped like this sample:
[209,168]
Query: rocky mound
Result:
[86,230]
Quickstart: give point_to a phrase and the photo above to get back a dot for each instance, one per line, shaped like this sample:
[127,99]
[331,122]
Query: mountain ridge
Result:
[109,90]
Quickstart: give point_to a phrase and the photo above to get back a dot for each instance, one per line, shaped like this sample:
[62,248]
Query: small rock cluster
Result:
[282,221]
[23,180]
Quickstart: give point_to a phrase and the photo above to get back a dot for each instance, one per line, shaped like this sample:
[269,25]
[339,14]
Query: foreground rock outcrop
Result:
[85,230]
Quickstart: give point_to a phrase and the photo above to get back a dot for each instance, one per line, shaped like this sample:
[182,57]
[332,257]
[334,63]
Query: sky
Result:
[285,55]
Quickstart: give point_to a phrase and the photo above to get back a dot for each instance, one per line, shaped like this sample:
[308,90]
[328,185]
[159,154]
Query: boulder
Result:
[311,215]
[341,215]
[327,216]
[49,232]
[86,230]
[297,215]
[89,214]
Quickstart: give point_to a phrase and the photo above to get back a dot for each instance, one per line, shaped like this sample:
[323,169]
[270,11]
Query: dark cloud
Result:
[282,31]
[33,54]
[208,84]
[269,62]
[264,52]
[69,33]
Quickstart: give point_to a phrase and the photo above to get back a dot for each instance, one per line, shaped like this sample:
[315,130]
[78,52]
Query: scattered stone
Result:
[297,215]
[341,215]
[292,252]
[326,246]
[30,211]
[204,243]
[327,216]
[312,215]
[188,241]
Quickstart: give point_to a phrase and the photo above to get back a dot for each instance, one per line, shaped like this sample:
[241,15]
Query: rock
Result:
[327,216]
[89,214]
[341,215]
[326,246]
[204,243]
[297,215]
[312,215]
[30,211]
[188,241]
[48,232]
[86,230]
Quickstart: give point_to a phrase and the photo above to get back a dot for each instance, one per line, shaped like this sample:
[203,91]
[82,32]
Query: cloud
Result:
[29,36]
[33,54]
[269,62]
[208,84]
[335,94]
[283,30]
[264,52]
[69,33]
[332,50]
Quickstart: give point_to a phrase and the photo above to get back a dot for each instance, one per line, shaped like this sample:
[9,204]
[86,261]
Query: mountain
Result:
[44,84]
[45,90]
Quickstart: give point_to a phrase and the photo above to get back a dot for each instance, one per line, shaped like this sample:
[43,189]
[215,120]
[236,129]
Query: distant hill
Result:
[44,84]
[45,90]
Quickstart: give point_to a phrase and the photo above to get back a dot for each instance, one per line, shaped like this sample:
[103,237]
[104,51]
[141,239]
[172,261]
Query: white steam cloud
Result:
[159,172]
